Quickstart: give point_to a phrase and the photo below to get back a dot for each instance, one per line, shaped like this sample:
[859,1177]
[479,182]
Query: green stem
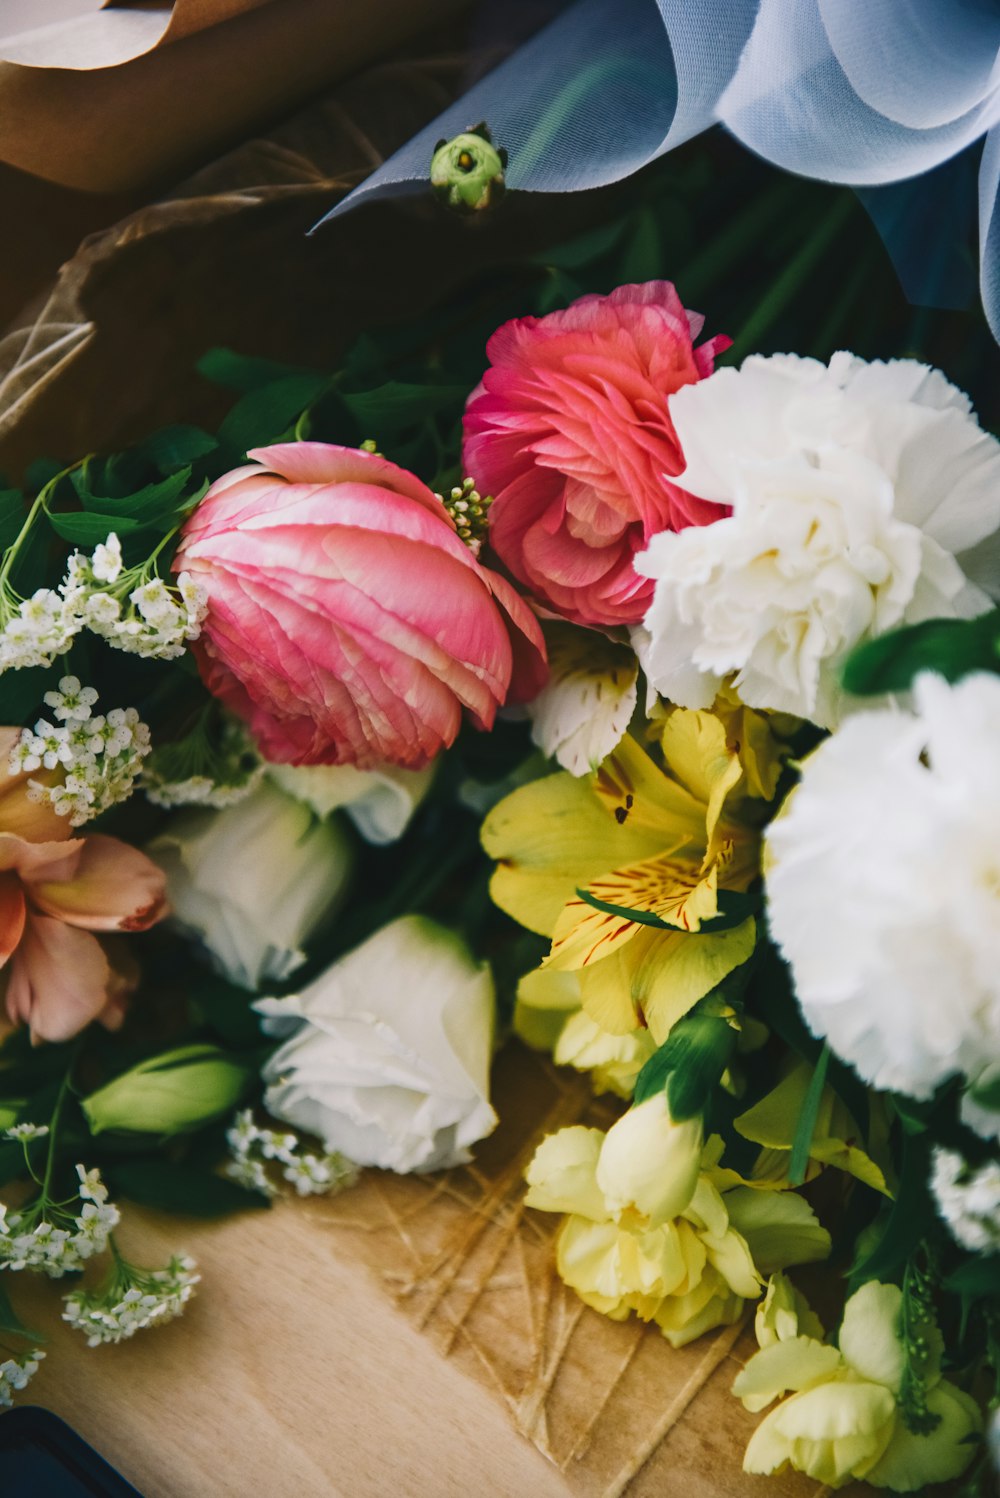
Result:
[50,1158]
[806,1126]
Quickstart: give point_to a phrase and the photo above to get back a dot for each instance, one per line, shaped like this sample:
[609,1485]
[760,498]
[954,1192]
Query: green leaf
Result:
[149,505]
[188,1189]
[734,909]
[268,413]
[243,372]
[175,447]
[978,1278]
[895,1232]
[86,530]
[951,647]
[806,1126]
[395,405]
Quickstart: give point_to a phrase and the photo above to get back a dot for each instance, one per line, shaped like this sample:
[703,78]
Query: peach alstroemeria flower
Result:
[55,891]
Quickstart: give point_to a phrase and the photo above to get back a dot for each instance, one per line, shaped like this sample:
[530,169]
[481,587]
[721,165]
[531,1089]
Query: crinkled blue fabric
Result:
[865,92]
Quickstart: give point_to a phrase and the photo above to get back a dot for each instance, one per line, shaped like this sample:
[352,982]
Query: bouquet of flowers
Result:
[638,699]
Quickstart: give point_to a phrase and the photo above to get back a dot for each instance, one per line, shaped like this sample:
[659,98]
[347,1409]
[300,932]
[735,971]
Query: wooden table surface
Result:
[291,1373]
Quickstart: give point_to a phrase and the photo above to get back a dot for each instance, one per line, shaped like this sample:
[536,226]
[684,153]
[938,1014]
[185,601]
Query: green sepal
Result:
[690,1062]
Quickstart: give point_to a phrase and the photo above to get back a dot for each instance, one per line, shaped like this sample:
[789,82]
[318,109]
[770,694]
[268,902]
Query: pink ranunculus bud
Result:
[570,431]
[347,622]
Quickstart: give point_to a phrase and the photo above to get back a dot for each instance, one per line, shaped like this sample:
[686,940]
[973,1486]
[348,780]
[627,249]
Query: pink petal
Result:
[32,860]
[59,979]
[115,887]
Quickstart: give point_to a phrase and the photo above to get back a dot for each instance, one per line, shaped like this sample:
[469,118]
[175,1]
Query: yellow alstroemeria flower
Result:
[636,837]
[648,1232]
[842,1422]
[548,1017]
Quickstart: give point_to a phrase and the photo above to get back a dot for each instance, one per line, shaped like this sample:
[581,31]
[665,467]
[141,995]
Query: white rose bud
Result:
[389,1058]
[254,881]
[649,1164]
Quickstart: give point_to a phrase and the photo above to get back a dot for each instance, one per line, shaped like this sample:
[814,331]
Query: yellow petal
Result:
[551,836]
[696,751]
[795,1363]
[913,1462]
[684,1318]
[544,1000]
[638,795]
[784,1313]
[869,1334]
[562,1175]
[675,892]
[760,740]
[780,1227]
[833,1432]
[615,1061]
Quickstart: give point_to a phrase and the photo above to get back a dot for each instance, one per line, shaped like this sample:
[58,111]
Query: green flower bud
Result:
[167,1094]
[467,172]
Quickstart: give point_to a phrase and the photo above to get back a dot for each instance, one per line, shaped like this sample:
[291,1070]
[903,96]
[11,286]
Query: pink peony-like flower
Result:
[55,891]
[347,623]
[570,431]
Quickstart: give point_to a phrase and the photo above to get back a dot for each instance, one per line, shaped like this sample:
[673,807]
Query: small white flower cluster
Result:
[16,1374]
[51,1239]
[132,608]
[968,1199]
[101,755]
[311,1175]
[221,774]
[36,630]
[131,1300]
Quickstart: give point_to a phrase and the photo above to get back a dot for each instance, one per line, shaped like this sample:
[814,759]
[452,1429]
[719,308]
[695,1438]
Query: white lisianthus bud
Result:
[649,1164]
[254,881]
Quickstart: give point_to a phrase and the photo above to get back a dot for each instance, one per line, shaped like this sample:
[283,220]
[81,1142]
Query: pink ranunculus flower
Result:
[570,431]
[347,623]
[56,890]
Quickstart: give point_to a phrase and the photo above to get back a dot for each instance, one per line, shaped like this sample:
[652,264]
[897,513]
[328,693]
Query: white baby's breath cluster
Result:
[100,754]
[204,770]
[968,1199]
[132,608]
[253,1149]
[35,630]
[53,1238]
[16,1374]
[131,1299]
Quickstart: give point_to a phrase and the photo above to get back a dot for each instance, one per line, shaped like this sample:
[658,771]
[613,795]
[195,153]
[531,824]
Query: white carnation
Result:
[883,888]
[860,494]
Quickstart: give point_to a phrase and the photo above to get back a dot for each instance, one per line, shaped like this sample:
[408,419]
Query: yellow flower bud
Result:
[648,1166]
